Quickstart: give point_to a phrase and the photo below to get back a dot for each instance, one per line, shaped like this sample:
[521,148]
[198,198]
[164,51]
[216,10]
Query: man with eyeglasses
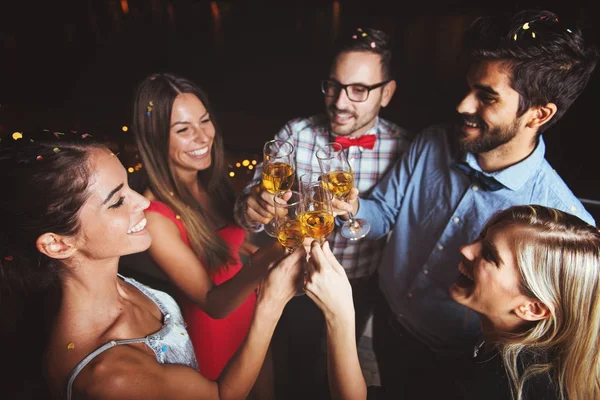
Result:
[359,84]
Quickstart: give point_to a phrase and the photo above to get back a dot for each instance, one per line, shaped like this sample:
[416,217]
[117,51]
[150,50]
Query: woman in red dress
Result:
[195,240]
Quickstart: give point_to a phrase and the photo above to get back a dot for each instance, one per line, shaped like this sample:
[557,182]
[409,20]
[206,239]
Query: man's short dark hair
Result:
[368,40]
[548,58]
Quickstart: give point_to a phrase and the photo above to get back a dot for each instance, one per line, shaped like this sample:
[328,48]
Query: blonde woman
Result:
[196,242]
[533,279]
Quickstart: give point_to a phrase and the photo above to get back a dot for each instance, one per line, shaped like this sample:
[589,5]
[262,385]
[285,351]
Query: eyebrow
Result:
[349,84]
[493,250]
[112,193]
[185,122]
[486,89]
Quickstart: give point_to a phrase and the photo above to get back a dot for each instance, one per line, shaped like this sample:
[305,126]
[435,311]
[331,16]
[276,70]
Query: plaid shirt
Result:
[360,258]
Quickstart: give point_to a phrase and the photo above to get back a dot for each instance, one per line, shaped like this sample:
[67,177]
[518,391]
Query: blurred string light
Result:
[246,163]
[57,134]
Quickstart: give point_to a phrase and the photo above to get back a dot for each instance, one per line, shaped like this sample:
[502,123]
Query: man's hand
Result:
[260,206]
[341,208]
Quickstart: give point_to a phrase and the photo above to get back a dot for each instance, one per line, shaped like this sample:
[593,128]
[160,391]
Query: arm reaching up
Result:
[329,288]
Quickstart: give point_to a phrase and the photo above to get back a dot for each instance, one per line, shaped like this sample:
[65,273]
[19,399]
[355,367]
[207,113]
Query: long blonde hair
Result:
[558,256]
[151,120]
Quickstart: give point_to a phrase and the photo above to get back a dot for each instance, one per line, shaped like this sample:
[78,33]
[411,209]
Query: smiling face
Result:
[191,135]
[112,219]
[489,282]
[489,110]
[349,118]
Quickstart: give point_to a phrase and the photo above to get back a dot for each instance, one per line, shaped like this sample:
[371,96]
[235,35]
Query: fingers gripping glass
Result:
[278,171]
[339,177]
[355,92]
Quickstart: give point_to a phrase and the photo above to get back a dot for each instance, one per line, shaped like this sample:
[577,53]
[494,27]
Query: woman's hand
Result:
[328,286]
[282,281]
[266,257]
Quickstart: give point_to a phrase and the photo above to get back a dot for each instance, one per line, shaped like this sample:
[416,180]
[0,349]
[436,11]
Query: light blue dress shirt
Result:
[432,209]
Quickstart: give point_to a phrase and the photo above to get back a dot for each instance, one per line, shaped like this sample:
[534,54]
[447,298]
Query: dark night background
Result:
[74,65]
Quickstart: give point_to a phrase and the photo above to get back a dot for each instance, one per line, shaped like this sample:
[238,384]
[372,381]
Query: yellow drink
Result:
[291,234]
[318,224]
[278,177]
[340,183]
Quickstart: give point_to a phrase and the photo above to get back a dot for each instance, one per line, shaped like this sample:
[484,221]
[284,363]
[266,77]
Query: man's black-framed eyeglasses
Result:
[355,92]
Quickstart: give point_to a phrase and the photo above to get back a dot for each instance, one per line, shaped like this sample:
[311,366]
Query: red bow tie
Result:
[365,141]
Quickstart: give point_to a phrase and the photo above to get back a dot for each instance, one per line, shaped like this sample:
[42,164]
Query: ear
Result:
[532,310]
[388,92]
[55,246]
[541,115]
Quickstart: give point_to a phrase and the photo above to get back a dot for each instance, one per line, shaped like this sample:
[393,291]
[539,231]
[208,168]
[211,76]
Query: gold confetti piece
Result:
[364,34]
[515,37]
[56,150]
[71,345]
[178,217]
[151,103]
[17,135]
[526,25]
[533,35]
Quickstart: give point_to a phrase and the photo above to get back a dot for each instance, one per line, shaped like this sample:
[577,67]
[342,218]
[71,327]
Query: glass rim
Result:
[286,204]
[282,142]
[321,150]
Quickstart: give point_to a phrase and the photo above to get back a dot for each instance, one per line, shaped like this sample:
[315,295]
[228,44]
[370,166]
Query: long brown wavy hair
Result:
[151,126]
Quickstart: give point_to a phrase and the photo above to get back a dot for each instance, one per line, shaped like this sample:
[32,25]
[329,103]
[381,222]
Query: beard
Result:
[489,138]
[345,130]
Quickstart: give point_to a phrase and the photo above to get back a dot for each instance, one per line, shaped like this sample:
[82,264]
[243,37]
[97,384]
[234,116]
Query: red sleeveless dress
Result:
[215,340]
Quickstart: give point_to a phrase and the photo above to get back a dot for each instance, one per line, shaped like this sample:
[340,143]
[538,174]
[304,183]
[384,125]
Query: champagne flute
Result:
[318,220]
[340,180]
[278,171]
[288,224]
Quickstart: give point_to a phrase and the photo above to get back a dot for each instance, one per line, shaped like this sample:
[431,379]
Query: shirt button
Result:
[425,272]
[440,247]
[573,208]
[475,188]
[456,220]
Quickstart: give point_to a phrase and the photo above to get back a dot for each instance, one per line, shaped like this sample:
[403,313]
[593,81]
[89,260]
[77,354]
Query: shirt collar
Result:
[515,176]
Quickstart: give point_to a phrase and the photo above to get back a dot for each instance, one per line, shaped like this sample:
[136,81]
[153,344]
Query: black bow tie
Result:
[487,182]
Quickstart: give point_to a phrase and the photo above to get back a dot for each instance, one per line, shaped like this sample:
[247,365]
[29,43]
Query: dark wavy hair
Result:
[369,40]
[44,188]
[548,57]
